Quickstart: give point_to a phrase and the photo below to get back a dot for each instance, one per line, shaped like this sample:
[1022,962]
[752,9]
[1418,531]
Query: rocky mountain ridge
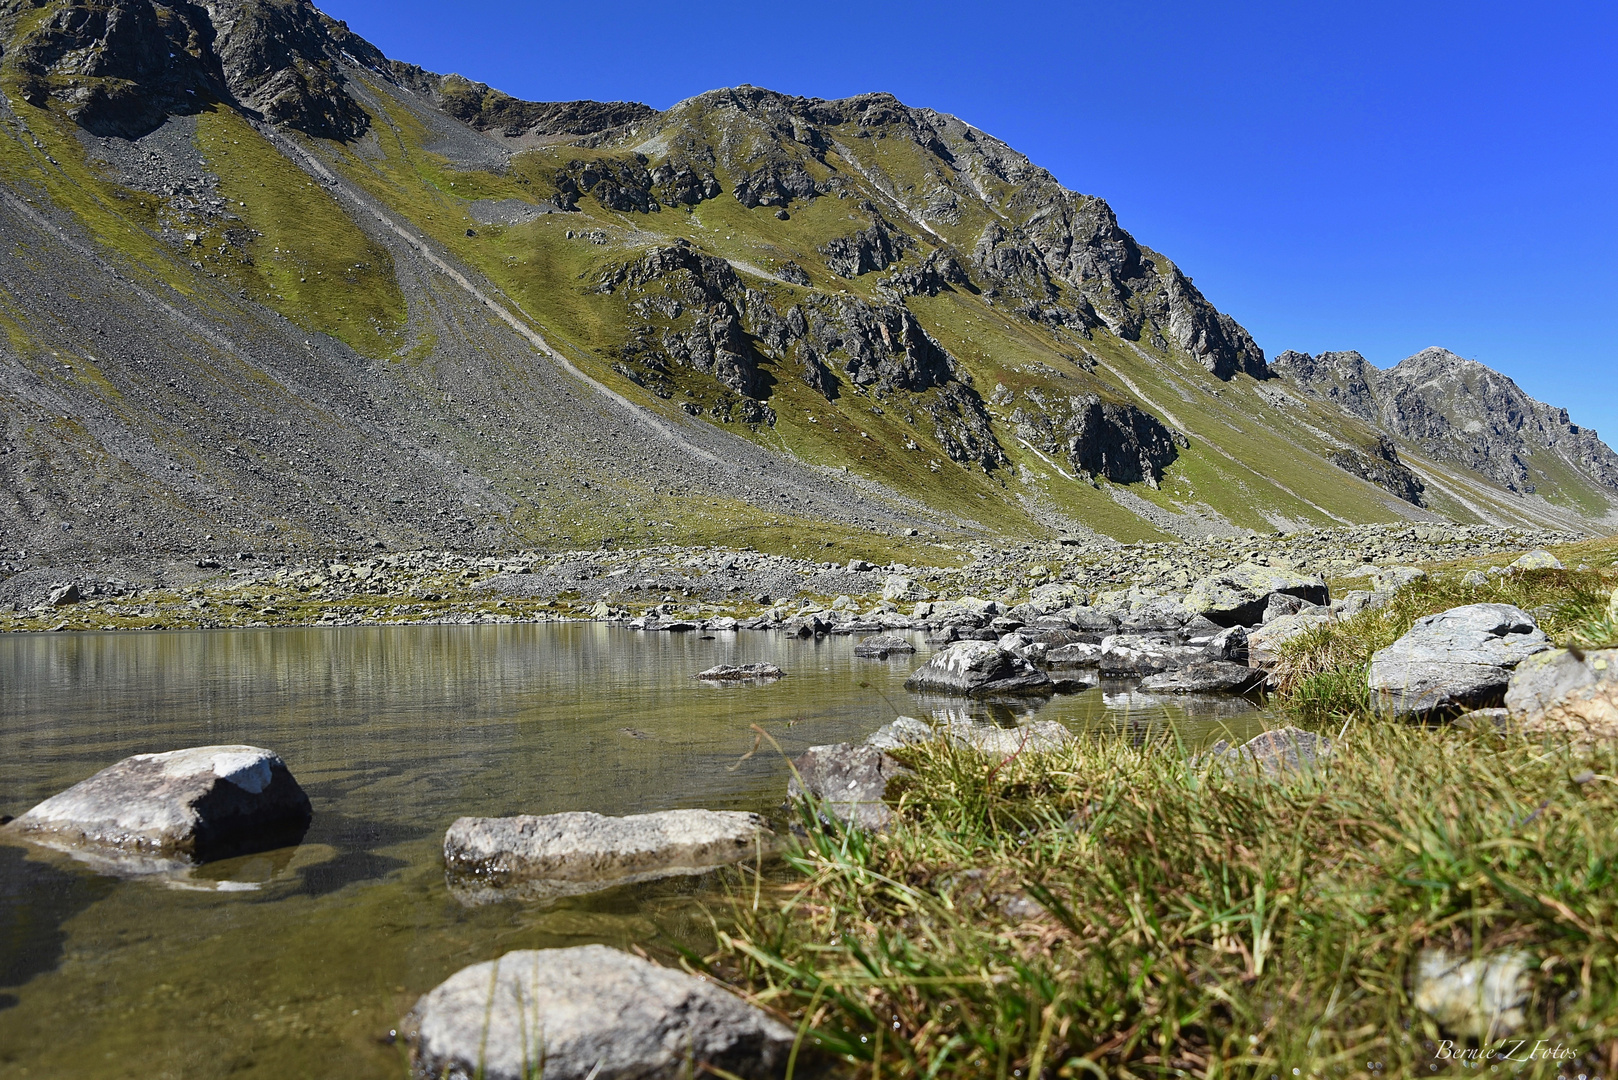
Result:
[271,290]
[1457,410]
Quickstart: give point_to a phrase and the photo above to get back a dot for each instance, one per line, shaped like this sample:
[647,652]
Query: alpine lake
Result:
[301,962]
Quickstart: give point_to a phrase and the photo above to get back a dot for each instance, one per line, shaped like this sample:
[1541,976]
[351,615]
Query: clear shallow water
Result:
[305,965]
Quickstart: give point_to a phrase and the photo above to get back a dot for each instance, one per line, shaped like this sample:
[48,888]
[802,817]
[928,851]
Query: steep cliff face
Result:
[1118,442]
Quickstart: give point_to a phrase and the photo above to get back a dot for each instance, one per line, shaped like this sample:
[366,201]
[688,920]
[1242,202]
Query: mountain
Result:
[267,289]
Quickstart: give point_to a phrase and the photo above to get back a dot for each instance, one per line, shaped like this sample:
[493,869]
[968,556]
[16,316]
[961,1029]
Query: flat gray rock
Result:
[488,860]
[987,738]
[184,806]
[586,1012]
[902,731]
[740,673]
[883,646]
[1078,654]
[977,669]
[1457,660]
[1206,677]
[850,782]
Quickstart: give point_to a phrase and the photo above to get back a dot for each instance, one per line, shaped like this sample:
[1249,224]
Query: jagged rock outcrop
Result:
[486,109]
[699,314]
[938,272]
[1379,463]
[122,67]
[1119,442]
[875,248]
[1458,411]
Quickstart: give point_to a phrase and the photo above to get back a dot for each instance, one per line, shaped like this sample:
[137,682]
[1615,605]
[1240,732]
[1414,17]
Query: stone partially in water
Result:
[1208,677]
[544,857]
[961,731]
[740,673]
[978,669]
[849,782]
[882,646]
[1458,660]
[587,1012]
[1146,654]
[153,812]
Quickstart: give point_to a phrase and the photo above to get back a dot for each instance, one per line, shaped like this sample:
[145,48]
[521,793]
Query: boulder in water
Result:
[882,646]
[979,669]
[544,857]
[174,808]
[740,673]
[1207,677]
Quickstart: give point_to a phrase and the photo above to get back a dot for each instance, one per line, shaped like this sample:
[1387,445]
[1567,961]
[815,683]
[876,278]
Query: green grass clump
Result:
[1112,910]
[1322,673]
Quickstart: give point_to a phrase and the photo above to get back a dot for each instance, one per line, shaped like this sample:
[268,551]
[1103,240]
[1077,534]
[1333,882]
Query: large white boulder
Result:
[169,809]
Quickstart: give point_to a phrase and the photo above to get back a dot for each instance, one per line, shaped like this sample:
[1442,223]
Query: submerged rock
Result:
[1207,677]
[1457,660]
[588,1011]
[152,812]
[1484,998]
[850,782]
[979,668]
[740,673]
[544,857]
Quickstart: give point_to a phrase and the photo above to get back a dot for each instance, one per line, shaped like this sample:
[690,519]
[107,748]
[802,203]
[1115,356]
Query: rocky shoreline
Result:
[673,584]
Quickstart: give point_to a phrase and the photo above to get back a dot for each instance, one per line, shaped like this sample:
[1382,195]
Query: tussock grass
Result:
[1111,910]
[1322,673]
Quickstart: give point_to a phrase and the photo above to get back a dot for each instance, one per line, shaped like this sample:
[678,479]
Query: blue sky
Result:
[1371,176]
